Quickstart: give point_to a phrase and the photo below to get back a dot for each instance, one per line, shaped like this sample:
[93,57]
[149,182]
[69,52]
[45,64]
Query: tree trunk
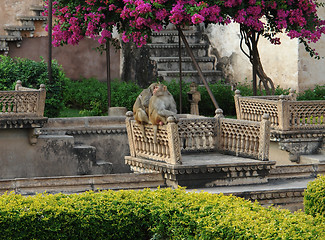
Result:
[251,40]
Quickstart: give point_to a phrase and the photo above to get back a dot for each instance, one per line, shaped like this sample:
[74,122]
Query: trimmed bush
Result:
[33,74]
[149,214]
[314,197]
[91,95]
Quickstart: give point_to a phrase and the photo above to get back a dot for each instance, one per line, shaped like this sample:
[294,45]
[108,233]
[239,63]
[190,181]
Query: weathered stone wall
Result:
[80,61]
[106,134]
[66,147]
[10,9]
[312,71]
[49,157]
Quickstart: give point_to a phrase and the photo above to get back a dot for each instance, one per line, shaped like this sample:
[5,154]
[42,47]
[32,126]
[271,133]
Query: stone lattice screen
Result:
[166,149]
[285,112]
[199,134]
[244,138]
[22,102]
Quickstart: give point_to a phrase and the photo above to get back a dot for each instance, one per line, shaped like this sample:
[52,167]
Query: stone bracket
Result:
[33,135]
[301,146]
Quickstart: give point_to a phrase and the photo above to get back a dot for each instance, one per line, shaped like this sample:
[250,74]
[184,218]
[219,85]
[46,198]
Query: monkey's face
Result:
[152,87]
[160,89]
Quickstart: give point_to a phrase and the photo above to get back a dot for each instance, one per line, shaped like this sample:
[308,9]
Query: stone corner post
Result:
[264,143]
[174,141]
[41,100]
[129,117]
[293,95]
[283,116]
[237,104]
[218,141]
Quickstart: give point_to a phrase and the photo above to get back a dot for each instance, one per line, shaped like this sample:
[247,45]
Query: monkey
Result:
[161,106]
[140,107]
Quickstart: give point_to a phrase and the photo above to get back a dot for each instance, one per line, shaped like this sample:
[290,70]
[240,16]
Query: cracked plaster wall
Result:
[280,62]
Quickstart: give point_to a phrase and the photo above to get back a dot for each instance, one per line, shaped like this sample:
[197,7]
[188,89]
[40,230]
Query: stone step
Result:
[171,50]
[37,9]
[211,76]
[312,158]
[172,63]
[297,171]
[20,31]
[171,36]
[102,167]
[280,193]
[29,20]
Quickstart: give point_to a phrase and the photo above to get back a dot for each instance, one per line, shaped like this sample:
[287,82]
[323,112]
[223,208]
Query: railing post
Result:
[41,101]
[218,116]
[18,85]
[129,117]
[264,143]
[174,141]
[292,94]
[237,104]
[283,114]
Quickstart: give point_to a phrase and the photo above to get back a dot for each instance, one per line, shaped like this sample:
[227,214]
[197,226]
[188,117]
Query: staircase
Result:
[30,26]
[164,52]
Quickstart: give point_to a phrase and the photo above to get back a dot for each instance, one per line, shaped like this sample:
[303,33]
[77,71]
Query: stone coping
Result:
[85,121]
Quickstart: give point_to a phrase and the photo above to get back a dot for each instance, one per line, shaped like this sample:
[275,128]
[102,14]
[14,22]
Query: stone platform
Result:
[206,169]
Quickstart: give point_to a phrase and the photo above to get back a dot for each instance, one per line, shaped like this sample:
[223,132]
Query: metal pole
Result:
[190,53]
[49,65]
[254,45]
[180,70]
[108,75]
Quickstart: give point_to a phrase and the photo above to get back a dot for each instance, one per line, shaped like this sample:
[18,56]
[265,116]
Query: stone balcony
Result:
[202,152]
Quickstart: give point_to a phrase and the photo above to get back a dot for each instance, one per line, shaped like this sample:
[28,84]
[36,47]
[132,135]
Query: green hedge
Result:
[33,74]
[91,96]
[314,197]
[149,214]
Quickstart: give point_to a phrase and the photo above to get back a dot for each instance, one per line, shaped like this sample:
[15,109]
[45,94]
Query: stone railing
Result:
[196,134]
[286,114]
[23,102]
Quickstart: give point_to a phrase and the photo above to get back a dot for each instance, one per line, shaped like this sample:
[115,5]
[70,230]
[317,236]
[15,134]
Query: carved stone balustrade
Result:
[299,126]
[23,108]
[196,151]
